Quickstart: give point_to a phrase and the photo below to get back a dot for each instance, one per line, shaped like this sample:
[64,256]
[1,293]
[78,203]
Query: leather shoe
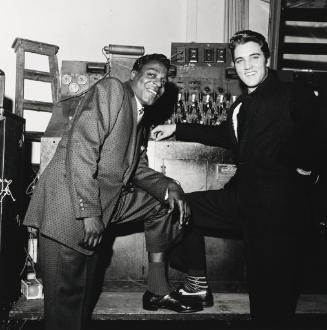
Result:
[203,297]
[172,301]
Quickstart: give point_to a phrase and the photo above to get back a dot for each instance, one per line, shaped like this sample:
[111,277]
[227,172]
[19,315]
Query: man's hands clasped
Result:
[176,199]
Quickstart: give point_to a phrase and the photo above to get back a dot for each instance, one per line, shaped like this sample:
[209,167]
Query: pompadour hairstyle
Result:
[244,36]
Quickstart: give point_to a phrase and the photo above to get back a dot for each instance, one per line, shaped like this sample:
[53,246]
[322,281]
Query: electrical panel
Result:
[206,81]
[78,76]
[200,53]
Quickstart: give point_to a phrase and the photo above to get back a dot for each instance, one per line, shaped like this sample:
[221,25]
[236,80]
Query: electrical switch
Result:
[180,54]
[221,55]
[208,55]
[193,55]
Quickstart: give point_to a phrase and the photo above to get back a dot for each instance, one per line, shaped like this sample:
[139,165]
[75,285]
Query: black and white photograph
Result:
[163,165]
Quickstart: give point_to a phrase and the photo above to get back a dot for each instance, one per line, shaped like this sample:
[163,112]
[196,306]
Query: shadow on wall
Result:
[163,108]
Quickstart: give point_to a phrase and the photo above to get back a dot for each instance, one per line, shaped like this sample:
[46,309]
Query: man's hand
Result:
[93,229]
[176,198]
[161,132]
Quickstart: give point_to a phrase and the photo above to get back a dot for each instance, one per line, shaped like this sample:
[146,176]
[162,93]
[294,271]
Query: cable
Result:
[31,186]
[28,259]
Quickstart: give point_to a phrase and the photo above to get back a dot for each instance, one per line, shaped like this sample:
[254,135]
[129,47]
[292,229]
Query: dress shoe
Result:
[204,296]
[172,301]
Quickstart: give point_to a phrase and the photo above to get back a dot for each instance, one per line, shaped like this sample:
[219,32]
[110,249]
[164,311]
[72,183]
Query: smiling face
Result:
[251,64]
[148,84]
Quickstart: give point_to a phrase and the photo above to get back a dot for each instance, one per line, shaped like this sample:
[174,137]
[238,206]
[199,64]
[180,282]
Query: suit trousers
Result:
[272,259]
[68,281]
[161,230]
[69,276]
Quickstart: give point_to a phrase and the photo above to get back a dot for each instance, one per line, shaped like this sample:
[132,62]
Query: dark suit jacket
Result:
[98,154]
[281,133]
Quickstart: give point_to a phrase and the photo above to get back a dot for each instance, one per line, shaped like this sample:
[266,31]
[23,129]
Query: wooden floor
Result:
[128,306]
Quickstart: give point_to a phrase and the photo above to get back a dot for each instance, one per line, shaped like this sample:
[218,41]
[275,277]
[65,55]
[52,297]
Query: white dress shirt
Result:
[140,110]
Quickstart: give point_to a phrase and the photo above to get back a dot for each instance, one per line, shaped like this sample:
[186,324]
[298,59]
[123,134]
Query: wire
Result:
[28,259]
[31,186]
[5,190]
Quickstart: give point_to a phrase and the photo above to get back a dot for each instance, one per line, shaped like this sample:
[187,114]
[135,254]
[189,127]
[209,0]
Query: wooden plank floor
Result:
[128,306]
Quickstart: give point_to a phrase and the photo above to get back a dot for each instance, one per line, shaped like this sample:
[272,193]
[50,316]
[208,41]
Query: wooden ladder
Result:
[21,46]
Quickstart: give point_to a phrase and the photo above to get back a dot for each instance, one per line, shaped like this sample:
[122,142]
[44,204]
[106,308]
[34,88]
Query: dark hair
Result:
[244,36]
[141,61]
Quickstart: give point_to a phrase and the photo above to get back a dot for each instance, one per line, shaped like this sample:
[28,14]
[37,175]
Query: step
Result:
[35,47]
[128,306]
[38,75]
[37,105]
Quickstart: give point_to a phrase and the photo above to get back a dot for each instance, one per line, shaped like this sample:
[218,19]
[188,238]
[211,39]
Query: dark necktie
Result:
[141,111]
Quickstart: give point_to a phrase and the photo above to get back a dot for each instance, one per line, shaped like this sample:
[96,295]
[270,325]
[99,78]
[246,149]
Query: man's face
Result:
[148,84]
[250,64]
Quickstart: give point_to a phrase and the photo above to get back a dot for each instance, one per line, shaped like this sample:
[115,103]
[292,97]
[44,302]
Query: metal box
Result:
[11,199]
[198,167]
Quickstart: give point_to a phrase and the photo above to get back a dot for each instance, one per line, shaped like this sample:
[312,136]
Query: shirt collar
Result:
[140,109]
[139,106]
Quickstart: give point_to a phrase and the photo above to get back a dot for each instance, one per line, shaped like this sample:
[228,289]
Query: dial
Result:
[73,87]
[66,79]
[82,79]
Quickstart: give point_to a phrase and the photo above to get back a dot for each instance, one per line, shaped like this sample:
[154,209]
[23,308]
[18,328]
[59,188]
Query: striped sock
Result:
[157,279]
[195,283]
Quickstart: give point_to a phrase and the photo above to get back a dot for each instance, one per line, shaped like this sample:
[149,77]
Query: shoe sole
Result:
[155,308]
[203,303]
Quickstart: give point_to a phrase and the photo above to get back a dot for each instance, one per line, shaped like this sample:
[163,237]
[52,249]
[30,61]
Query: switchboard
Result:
[206,82]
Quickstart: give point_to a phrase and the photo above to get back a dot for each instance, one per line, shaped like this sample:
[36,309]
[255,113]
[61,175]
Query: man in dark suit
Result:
[99,176]
[277,139]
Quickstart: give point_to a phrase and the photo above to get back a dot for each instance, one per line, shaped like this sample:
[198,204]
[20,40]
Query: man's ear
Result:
[268,62]
[133,74]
